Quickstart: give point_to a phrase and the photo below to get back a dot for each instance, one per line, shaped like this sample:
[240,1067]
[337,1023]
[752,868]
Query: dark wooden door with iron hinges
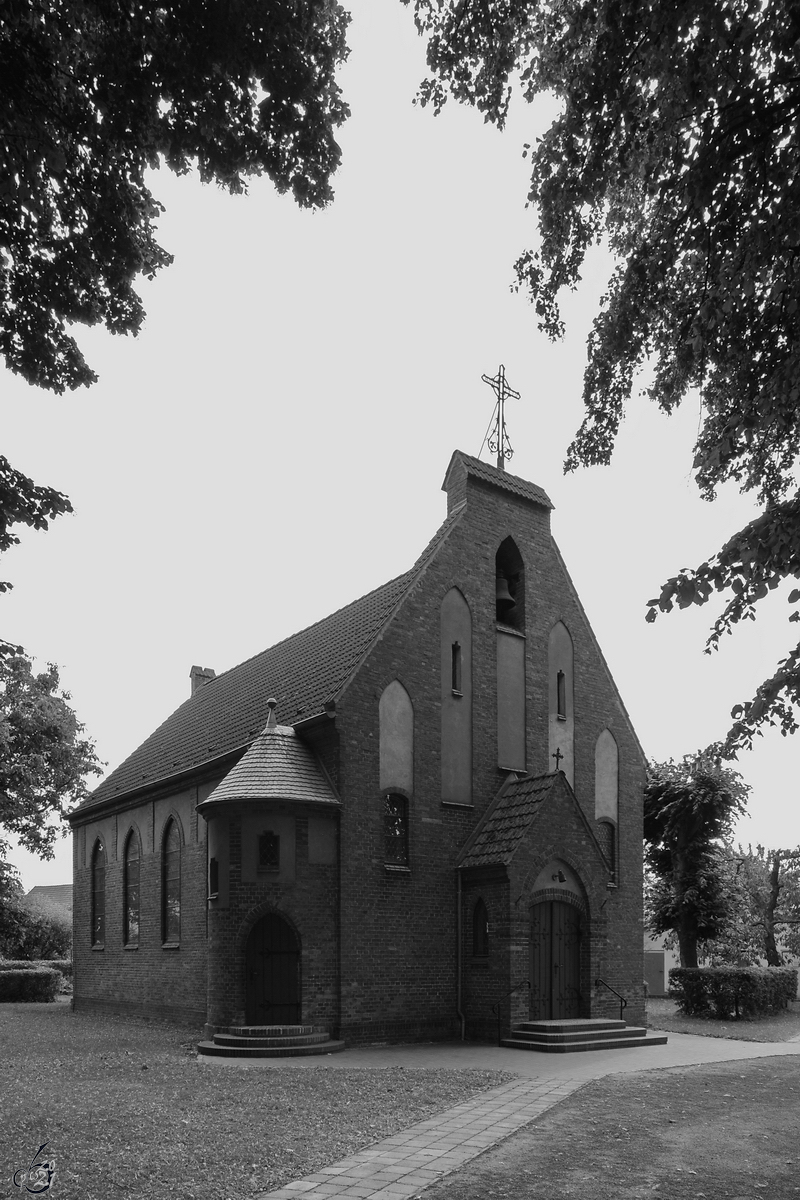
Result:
[272,964]
[555,961]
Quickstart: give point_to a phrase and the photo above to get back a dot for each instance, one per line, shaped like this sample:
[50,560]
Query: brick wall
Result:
[148,978]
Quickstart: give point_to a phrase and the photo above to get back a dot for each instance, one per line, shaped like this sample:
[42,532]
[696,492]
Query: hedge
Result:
[37,986]
[64,965]
[732,992]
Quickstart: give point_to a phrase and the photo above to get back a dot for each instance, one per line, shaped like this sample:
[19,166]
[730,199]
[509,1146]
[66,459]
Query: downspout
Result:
[459,1012]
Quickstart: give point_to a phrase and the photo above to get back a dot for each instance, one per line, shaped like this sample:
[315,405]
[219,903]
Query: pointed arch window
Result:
[98,895]
[131,888]
[480,930]
[510,586]
[171,885]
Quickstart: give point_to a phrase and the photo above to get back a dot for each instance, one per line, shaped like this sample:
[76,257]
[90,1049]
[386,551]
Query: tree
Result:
[763,890]
[91,96]
[678,144]
[28,930]
[44,760]
[689,808]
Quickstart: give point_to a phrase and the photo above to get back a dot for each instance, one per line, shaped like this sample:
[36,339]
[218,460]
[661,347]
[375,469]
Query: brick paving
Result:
[403,1165]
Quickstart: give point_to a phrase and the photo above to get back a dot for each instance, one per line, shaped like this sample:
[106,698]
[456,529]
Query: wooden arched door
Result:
[555,961]
[272,964]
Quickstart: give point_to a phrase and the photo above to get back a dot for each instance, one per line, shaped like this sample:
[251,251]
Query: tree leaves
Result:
[43,757]
[678,145]
[90,97]
[689,807]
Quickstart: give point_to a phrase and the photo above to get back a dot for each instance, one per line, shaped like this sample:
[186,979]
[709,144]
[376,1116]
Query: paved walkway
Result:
[402,1166]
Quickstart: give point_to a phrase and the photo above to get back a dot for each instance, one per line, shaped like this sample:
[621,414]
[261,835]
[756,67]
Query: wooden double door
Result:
[555,961]
[272,965]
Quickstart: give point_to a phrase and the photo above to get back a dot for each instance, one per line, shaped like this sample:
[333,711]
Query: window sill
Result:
[457,693]
[482,964]
[458,804]
[395,868]
[269,871]
[170,945]
[131,946]
[98,946]
[510,629]
[561,716]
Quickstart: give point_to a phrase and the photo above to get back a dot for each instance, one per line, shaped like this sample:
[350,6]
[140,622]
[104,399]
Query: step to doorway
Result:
[269,1041]
[569,1037]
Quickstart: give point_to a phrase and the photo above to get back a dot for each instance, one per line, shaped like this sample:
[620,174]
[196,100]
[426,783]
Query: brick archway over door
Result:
[555,969]
[272,973]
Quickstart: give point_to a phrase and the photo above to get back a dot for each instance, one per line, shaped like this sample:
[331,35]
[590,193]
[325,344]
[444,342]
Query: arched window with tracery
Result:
[131,889]
[98,894]
[171,884]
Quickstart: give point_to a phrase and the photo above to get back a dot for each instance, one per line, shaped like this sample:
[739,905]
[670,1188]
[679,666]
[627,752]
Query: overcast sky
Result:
[273,443]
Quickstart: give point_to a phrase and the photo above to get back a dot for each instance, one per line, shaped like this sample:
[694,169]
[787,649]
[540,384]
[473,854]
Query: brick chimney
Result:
[199,676]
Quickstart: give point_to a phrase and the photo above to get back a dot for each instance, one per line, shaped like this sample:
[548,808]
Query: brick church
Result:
[417,815]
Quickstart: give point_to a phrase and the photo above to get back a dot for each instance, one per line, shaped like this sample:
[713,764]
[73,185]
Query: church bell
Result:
[505,601]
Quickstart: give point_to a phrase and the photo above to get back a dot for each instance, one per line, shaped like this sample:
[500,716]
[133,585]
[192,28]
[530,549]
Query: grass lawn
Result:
[782,1027]
[127,1110]
[722,1132]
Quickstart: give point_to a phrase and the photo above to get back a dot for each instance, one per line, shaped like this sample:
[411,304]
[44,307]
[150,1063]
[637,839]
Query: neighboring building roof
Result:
[306,671]
[278,766]
[55,895]
[497,478]
[497,837]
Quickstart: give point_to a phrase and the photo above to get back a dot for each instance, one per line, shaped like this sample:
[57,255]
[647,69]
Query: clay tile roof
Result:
[507,821]
[278,766]
[500,479]
[306,671]
[50,895]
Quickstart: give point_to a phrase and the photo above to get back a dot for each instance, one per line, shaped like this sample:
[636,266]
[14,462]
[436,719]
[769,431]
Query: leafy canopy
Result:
[44,760]
[764,891]
[678,144]
[689,808]
[91,95]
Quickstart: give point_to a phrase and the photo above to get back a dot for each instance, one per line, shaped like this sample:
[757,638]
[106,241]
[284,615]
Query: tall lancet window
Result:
[98,894]
[510,613]
[396,770]
[606,794]
[171,884]
[456,698]
[130,931]
[561,688]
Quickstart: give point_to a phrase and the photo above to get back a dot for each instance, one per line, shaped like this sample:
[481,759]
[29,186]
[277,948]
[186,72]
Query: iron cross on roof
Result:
[498,439]
[558,757]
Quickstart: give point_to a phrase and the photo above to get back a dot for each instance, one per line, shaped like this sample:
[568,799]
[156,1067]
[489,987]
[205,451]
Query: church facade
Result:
[417,819]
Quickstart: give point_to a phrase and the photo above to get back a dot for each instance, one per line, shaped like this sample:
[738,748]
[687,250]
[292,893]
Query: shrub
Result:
[64,965]
[34,932]
[732,992]
[37,986]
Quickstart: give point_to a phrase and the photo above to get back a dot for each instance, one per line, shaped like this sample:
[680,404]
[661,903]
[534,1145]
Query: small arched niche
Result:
[557,875]
[510,586]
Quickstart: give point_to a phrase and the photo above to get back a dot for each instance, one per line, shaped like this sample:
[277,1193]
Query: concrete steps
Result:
[572,1036]
[269,1041]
